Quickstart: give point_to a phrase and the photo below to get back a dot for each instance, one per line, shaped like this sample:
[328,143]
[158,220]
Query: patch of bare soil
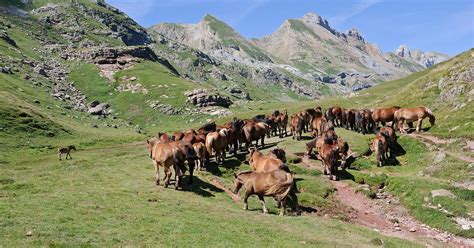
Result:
[386,215]
[216,182]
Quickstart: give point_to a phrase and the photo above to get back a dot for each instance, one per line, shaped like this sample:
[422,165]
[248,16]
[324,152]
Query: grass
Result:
[97,200]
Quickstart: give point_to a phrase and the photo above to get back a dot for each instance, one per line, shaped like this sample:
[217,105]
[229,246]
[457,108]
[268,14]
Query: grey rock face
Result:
[201,98]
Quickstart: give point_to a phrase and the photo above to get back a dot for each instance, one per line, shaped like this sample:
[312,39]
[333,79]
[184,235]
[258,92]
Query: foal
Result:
[66,150]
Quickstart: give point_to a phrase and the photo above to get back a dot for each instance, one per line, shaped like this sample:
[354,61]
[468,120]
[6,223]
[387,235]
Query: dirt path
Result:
[387,216]
[429,140]
[216,182]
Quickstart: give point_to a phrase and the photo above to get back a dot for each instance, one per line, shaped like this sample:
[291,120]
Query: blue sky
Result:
[439,25]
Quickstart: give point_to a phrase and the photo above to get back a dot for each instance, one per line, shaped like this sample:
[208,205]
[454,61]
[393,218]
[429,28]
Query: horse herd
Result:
[270,176]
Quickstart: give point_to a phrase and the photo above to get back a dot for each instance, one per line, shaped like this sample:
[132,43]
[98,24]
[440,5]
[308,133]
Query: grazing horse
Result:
[200,149]
[217,141]
[277,183]
[384,115]
[255,131]
[379,146]
[265,163]
[66,150]
[412,115]
[296,126]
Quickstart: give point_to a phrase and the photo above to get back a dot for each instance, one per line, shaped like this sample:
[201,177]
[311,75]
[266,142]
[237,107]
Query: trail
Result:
[386,215]
[430,140]
[216,182]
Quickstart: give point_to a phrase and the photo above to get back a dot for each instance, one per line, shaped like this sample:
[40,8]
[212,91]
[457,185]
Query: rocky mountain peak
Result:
[353,32]
[403,51]
[312,18]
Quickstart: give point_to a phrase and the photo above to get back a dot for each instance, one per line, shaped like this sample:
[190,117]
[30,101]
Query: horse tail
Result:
[286,185]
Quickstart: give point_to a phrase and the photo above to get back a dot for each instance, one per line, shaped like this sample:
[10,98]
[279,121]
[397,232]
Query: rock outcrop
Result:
[202,98]
[426,59]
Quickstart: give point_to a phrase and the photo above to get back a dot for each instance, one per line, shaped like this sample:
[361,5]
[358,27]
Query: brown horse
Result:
[337,113]
[390,136]
[200,149]
[329,155]
[66,150]
[217,141]
[412,115]
[255,131]
[282,121]
[277,183]
[265,163]
[384,115]
[172,154]
[177,136]
[306,117]
[278,153]
[348,117]
[379,146]
[296,126]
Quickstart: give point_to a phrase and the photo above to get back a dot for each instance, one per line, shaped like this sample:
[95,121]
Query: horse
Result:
[278,153]
[265,163]
[277,183]
[200,149]
[172,154]
[306,117]
[255,131]
[217,141]
[337,113]
[66,150]
[329,155]
[384,115]
[412,115]
[379,146]
[177,136]
[207,128]
[296,126]
[234,133]
[329,137]
[316,125]
[282,123]
[390,136]
[348,117]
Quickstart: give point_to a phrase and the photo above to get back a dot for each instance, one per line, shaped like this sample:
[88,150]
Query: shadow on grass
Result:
[199,187]
[345,175]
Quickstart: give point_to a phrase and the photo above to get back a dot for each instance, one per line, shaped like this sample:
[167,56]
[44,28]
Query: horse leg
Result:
[418,126]
[325,171]
[282,207]
[167,176]
[246,197]
[263,141]
[262,201]
[69,154]
[177,175]
[191,171]
[157,172]
[59,156]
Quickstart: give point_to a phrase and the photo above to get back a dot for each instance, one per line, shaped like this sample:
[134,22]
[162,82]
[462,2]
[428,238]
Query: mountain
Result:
[426,59]
[312,45]
[308,48]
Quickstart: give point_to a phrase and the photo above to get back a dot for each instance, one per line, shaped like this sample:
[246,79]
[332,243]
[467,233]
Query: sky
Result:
[445,26]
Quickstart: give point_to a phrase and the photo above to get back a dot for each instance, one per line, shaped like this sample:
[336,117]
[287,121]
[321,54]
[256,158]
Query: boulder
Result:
[442,192]
[201,98]
[100,109]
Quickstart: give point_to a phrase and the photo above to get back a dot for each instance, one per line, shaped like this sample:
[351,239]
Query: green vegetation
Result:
[300,26]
